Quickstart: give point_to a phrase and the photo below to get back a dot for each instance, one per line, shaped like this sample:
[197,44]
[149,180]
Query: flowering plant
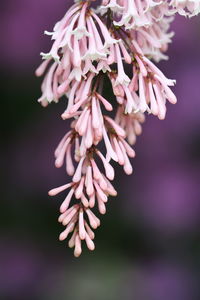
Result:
[91,46]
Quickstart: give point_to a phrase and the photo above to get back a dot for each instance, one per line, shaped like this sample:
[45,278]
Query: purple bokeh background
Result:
[148,245]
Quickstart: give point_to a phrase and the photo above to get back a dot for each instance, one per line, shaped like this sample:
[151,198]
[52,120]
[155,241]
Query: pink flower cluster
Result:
[91,46]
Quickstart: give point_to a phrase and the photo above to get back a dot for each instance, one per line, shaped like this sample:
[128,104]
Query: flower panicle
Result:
[91,46]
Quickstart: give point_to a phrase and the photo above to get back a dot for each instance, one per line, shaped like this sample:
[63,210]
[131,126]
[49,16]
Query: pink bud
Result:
[72,215]
[107,105]
[84,200]
[77,175]
[109,148]
[153,104]
[62,216]
[92,201]
[78,249]
[61,155]
[89,134]
[69,163]
[94,221]
[79,189]
[82,232]
[59,189]
[126,55]
[89,242]
[71,242]
[120,131]
[100,193]
[118,151]
[65,233]
[41,69]
[101,206]
[89,181]
[95,116]
[89,231]
[110,174]
[64,206]
[128,148]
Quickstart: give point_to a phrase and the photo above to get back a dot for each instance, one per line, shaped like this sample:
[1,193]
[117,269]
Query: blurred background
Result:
[148,247]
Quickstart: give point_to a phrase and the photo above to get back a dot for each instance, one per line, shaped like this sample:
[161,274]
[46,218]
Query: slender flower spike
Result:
[91,46]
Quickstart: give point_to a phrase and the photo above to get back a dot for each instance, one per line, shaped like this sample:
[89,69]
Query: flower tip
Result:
[128,170]
[91,205]
[37,73]
[71,244]
[86,204]
[62,209]
[64,222]
[114,193]
[58,164]
[92,247]
[61,89]
[132,153]
[59,219]
[62,237]
[70,172]
[51,193]
[77,253]
[174,100]
[103,211]
[44,102]
[161,117]
[63,116]
[94,225]
[82,235]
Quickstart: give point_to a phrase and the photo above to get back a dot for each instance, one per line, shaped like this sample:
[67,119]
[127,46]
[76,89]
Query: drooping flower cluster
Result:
[91,46]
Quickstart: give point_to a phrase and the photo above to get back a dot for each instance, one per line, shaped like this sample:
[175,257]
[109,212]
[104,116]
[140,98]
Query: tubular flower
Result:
[188,8]
[91,46]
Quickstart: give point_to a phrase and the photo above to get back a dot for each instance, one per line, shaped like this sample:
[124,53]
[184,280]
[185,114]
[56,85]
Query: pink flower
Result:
[89,47]
[186,7]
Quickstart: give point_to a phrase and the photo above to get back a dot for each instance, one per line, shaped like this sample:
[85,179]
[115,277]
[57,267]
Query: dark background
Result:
[148,247]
